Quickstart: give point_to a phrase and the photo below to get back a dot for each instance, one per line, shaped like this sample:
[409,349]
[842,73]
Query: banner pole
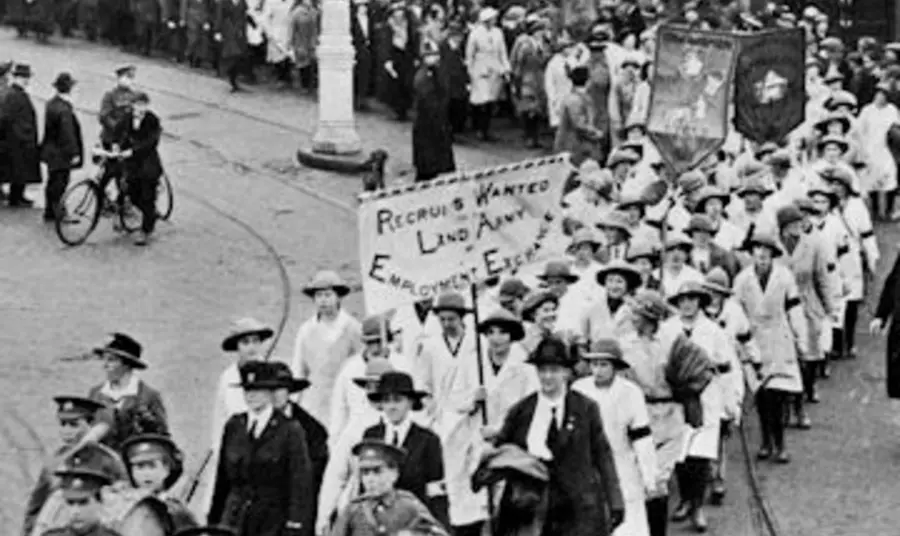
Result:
[473,289]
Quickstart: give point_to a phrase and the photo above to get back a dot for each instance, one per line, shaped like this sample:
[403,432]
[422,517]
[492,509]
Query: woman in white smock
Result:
[488,64]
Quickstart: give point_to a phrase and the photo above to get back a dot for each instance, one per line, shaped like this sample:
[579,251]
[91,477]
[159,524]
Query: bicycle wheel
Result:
[78,213]
[129,215]
[165,199]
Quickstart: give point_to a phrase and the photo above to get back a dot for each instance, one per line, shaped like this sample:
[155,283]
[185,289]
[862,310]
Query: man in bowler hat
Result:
[564,428]
[19,137]
[62,148]
[75,415]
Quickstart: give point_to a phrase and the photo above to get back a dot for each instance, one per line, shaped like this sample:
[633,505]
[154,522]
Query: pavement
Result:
[249,229]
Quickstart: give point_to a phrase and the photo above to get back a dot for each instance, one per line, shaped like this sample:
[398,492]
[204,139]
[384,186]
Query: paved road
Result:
[249,229]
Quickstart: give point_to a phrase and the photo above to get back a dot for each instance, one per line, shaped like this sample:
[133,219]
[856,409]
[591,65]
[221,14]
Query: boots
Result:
[658,515]
[683,510]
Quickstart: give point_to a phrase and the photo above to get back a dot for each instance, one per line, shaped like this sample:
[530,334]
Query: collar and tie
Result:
[553,431]
[253,429]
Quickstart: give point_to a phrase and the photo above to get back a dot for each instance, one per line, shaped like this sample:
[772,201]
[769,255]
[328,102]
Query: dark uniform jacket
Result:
[422,473]
[180,517]
[92,454]
[263,483]
[394,512]
[584,485]
[62,136]
[316,441]
[145,411]
[145,164]
[114,106]
[19,136]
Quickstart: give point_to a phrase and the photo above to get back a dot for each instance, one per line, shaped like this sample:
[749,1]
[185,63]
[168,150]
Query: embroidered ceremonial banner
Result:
[770,84]
[428,238]
[688,117]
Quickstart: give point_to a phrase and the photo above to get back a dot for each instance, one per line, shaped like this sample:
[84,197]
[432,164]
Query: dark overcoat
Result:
[4,171]
[316,442]
[432,135]
[362,39]
[19,134]
[62,136]
[196,14]
[144,142]
[422,473]
[133,414]
[584,485]
[231,22]
[887,311]
[263,483]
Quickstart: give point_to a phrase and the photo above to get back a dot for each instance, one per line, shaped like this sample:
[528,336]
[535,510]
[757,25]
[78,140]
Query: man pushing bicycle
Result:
[114,106]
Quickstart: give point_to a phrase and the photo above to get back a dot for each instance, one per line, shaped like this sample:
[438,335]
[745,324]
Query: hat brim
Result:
[745,192]
[452,308]
[298,384]
[515,329]
[844,146]
[577,243]
[822,124]
[341,290]
[632,277]
[776,251]
[231,342]
[414,396]
[364,381]
[719,289]
[617,362]
[538,362]
[704,297]
[262,385]
[130,360]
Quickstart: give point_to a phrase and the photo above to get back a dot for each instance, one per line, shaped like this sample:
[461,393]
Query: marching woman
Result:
[649,351]
[154,464]
[627,426]
[264,474]
[564,428]
[879,178]
[489,69]
[124,394]
[711,202]
[611,314]
[558,279]
[583,251]
[768,293]
[861,259]
[676,270]
[726,312]
[324,343]
[539,314]
[645,257]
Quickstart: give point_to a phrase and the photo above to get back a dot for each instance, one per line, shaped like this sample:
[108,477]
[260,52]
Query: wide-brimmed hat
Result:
[64,82]
[615,220]
[534,300]
[245,327]
[762,238]
[700,223]
[585,235]
[650,304]
[451,301]
[631,200]
[397,383]
[764,150]
[717,280]
[551,351]
[607,350]
[504,320]
[327,280]
[691,289]
[805,205]
[821,187]
[209,530]
[787,215]
[377,328]
[125,348]
[678,240]
[376,452]
[709,192]
[622,156]
[834,117]
[258,375]
[21,70]
[124,69]
[691,181]
[837,175]
[487,13]
[643,249]
[514,288]
[780,158]
[754,185]
[77,407]
[625,269]
[559,269]
[287,379]
[841,98]
[375,369]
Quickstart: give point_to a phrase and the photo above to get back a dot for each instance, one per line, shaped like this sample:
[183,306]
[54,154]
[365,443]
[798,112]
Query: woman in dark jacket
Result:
[432,134]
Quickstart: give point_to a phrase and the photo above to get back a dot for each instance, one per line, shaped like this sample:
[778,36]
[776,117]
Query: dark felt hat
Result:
[83,476]
[145,447]
[451,301]
[551,351]
[286,377]
[631,274]
[21,70]
[122,70]
[64,82]
[77,407]
[210,530]
[398,383]
[125,348]
[259,375]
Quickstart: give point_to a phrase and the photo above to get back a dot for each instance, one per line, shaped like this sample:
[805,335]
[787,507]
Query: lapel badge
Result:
[68,406]
[251,377]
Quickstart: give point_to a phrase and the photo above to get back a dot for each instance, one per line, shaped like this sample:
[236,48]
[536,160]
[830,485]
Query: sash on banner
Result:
[688,118]
[770,85]
[420,241]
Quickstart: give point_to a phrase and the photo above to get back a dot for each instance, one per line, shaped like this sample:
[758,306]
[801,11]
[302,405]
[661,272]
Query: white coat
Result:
[623,411]
[880,174]
[599,322]
[861,245]
[488,64]
[778,324]
[833,232]
[349,401]
[515,380]
[577,207]
[320,350]
[735,323]
[451,377]
[729,236]
[557,85]
[276,24]
[255,32]
[708,335]
[671,281]
[648,359]
[587,285]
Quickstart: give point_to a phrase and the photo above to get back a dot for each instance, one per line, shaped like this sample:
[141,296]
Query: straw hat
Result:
[691,289]
[558,269]
[625,269]
[717,281]
[327,280]
[243,328]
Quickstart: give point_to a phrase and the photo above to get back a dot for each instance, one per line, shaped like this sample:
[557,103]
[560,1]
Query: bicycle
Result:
[83,203]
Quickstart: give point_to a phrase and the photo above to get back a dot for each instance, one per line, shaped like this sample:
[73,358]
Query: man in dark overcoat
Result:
[5,68]
[231,34]
[146,14]
[563,428]
[62,148]
[264,477]
[422,472]
[432,135]
[197,16]
[362,38]
[19,134]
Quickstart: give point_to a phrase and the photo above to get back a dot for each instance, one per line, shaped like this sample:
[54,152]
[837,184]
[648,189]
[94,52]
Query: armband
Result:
[435,489]
[293,525]
[744,338]
[635,434]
